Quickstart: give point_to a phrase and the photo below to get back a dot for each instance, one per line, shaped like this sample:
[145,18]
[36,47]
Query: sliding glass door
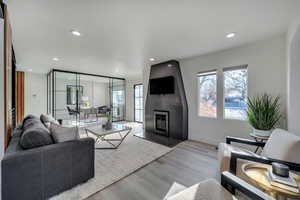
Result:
[138,103]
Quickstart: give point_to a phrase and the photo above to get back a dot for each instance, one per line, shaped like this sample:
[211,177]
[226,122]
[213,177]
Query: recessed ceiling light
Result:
[30,70]
[55,59]
[152,59]
[170,65]
[230,35]
[76,33]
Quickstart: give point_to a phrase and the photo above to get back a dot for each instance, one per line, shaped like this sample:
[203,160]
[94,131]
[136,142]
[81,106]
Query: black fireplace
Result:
[166,108]
[161,122]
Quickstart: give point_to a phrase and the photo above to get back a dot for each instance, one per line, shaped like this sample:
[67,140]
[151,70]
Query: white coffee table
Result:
[100,133]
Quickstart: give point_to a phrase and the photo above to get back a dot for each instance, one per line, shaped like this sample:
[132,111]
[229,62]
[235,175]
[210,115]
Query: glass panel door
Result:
[94,98]
[138,103]
[118,99]
[67,92]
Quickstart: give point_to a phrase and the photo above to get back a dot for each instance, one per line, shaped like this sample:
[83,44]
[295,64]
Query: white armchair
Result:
[282,146]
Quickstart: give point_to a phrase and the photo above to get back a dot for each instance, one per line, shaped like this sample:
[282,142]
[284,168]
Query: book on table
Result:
[287,183]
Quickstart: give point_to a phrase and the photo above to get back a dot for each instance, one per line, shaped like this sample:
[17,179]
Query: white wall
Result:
[294,79]
[100,94]
[35,96]
[130,98]
[267,72]
[97,92]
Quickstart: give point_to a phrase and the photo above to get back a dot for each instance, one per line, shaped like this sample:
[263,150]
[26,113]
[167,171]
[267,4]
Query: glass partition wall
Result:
[81,99]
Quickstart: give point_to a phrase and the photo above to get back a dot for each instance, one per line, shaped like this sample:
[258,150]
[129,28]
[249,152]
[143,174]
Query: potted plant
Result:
[263,114]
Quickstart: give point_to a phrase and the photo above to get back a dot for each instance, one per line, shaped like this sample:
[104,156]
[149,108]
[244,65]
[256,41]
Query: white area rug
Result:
[113,165]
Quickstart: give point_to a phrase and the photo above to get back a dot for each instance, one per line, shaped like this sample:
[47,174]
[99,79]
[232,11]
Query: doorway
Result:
[138,103]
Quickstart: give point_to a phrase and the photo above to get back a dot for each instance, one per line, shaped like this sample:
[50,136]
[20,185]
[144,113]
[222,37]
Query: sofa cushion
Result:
[35,134]
[208,190]
[29,120]
[47,120]
[14,145]
[63,134]
[283,145]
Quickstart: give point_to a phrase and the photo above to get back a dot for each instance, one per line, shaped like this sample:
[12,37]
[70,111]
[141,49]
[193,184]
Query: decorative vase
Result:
[108,125]
[262,133]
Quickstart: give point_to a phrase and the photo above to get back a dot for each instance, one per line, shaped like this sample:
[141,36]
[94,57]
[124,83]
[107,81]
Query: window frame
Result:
[206,73]
[134,103]
[233,68]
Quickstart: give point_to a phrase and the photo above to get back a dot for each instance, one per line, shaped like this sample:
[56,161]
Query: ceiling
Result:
[119,36]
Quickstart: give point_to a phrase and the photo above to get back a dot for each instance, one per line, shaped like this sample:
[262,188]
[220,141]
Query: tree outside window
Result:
[235,92]
[207,85]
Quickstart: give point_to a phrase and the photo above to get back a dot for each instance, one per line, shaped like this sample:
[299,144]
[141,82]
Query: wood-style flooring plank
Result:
[189,163]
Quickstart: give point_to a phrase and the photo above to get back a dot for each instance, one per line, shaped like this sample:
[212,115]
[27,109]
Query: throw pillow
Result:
[29,120]
[35,135]
[17,132]
[63,134]
[47,120]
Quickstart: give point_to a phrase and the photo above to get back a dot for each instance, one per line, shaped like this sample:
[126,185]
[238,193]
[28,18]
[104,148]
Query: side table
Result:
[257,174]
[259,138]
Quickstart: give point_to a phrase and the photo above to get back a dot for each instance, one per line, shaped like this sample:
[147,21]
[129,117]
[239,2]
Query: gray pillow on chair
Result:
[63,134]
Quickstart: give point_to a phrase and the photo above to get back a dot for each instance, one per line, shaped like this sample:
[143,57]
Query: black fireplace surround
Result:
[167,114]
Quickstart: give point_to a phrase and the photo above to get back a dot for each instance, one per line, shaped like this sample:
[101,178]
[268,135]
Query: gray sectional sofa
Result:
[44,171]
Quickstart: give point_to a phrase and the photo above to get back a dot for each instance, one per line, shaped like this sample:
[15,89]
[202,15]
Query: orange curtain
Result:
[19,96]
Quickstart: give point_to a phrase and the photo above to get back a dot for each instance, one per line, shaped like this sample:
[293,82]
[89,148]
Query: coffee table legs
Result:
[110,141]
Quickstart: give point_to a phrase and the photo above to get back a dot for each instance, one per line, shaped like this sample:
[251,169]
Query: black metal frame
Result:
[254,157]
[229,140]
[81,73]
[52,71]
[232,183]
[13,90]
[134,101]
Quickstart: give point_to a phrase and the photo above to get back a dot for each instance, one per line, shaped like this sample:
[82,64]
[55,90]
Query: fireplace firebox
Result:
[161,122]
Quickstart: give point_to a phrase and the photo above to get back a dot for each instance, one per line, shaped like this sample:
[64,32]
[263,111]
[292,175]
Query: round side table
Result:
[259,138]
[257,174]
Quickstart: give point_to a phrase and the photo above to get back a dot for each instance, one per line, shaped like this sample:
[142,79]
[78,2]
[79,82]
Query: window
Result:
[207,94]
[138,103]
[235,92]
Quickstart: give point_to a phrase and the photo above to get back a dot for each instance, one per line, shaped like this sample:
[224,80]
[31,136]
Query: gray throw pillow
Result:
[35,135]
[63,134]
[47,120]
[29,120]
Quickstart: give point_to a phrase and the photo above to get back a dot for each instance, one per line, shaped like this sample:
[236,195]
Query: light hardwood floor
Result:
[189,163]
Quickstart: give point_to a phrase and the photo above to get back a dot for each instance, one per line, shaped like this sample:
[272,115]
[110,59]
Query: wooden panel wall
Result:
[19,96]
[7,77]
